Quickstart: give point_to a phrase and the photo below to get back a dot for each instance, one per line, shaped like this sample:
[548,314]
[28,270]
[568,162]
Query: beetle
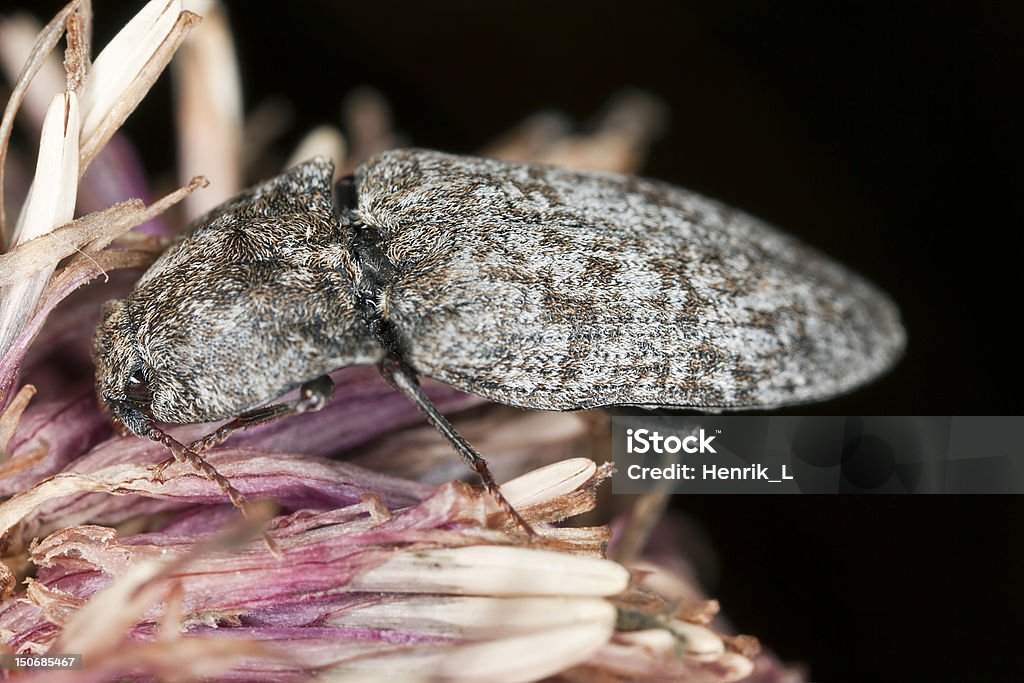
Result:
[530,285]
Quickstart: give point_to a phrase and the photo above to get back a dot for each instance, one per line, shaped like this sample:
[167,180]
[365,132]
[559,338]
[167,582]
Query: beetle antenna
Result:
[183,454]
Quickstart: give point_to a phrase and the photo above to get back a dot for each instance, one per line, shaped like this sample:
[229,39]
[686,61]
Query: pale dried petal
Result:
[123,59]
[738,667]
[495,570]
[474,618]
[12,416]
[547,483]
[51,203]
[111,98]
[699,643]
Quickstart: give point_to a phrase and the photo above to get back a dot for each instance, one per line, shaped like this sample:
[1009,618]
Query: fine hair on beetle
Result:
[529,285]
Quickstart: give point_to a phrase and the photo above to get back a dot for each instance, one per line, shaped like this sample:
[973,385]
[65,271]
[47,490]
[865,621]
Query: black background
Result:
[890,135]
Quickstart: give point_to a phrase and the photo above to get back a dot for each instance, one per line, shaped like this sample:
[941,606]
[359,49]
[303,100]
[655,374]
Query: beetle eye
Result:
[137,387]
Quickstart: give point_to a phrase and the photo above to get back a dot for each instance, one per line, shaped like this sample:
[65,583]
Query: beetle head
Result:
[122,380]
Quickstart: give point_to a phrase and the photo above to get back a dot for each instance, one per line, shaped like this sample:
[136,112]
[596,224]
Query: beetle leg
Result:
[402,377]
[313,396]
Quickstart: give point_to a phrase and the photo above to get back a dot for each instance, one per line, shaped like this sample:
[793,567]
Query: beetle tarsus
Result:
[158,469]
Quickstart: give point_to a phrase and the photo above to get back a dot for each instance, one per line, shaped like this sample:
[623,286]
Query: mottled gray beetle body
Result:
[549,288]
[530,285]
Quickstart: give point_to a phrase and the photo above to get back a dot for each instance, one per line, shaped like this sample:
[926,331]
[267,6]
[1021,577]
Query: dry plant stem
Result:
[85,267]
[89,233]
[47,41]
[30,257]
[76,56]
